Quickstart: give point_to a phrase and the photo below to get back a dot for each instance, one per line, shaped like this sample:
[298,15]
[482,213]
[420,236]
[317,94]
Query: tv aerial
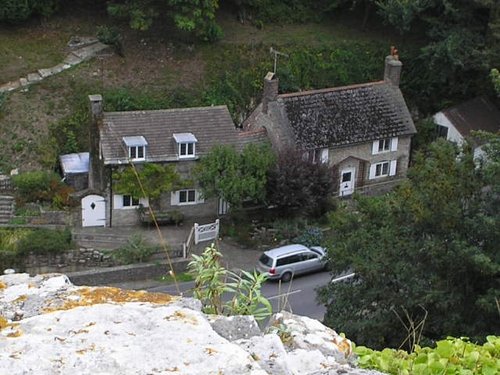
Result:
[276,53]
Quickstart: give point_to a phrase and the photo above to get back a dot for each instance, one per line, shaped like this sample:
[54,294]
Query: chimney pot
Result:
[270,94]
[96,105]
[392,72]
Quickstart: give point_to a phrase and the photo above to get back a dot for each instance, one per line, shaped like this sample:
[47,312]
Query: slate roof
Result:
[345,115]
[476,114]
[210,126]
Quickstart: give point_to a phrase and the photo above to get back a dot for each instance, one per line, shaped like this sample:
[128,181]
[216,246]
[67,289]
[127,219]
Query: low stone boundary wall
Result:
[80,260]
[133,272]
[68,261]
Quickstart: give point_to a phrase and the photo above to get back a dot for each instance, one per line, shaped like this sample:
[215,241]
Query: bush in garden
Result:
[45,241]
[310,237]
[42,186]
[135,251]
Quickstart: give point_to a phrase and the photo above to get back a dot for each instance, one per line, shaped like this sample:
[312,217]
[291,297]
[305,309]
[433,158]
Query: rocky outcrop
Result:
[50,326]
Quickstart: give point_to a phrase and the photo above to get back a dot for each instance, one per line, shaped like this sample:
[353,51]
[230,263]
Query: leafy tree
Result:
[296,183]
[16,11]
[234,177]
[431,247]
[150,180]
[196,16]
[462,41]
[495,79]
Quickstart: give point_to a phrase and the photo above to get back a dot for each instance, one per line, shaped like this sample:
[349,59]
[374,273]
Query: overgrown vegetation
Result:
[299,184]
[432,244]
[43,187]
[147,180]
[136,250]
[15,244]
[212,281]
[449,356]
[225,173]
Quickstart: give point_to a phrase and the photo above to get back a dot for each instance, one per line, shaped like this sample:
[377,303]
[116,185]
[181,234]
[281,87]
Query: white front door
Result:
[347,181]
[93,211]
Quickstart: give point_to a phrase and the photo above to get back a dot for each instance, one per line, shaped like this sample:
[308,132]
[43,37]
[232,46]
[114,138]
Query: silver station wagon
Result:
[287,261]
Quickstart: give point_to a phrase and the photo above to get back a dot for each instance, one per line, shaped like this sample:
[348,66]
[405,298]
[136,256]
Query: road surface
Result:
[297,296]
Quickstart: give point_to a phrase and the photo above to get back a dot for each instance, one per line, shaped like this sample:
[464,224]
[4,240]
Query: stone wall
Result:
[64,218]
[70,261]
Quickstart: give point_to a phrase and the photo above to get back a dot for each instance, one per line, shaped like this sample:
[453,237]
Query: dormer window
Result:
[186,145]
[136,147]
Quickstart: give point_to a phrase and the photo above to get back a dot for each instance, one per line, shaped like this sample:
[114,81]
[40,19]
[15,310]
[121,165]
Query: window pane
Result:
[140,152]
[133,153]
[384,144]
[191,195]
[190,149]
[264,259]
[182,196]
[126,201]
[346,177]
[378,169]
[385,168]
[283,261]
[183,149]
[135,201]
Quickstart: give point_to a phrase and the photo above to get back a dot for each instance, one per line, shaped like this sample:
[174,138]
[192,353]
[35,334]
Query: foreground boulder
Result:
[49,326]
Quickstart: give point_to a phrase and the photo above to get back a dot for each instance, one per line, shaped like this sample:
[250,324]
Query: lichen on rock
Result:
[49,326]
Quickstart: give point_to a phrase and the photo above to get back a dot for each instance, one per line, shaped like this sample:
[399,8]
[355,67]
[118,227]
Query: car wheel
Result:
[286,277]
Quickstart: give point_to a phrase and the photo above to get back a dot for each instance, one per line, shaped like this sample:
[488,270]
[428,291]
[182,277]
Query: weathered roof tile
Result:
[346,115]
[210,126]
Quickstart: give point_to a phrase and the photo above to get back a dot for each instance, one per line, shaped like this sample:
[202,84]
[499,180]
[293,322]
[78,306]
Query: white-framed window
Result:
[187,150]
[186,145]
[185,197]
[136,146]
[126,201]
[136,152]
[320,155]
[130,201]
[383,169]
[385,145]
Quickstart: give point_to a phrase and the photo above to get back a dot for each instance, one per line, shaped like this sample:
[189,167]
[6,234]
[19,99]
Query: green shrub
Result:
[135,251]
[45,241]
[112,37]
[35,186]
[71,133]
[450,356]
[310,237]
[42,186]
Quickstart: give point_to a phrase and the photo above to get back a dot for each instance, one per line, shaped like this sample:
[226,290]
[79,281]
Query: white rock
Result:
[269,352]
[302,361]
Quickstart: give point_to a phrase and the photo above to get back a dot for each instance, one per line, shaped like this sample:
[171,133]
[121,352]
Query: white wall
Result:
[453,134]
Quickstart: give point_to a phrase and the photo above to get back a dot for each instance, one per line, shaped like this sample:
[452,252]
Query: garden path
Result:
[84,49]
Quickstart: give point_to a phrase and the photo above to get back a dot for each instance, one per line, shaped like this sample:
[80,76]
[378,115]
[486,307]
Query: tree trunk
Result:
[368,8]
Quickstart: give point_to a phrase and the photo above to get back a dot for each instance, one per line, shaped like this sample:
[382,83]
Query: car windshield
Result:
[264,259]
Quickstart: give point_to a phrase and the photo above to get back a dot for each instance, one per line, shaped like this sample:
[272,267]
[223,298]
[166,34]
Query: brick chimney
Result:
[270,94]
[96,165]
[393,66]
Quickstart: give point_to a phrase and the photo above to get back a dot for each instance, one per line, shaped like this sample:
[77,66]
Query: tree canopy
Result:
[296,183]
[234,177]
[148,180]
[430,249]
